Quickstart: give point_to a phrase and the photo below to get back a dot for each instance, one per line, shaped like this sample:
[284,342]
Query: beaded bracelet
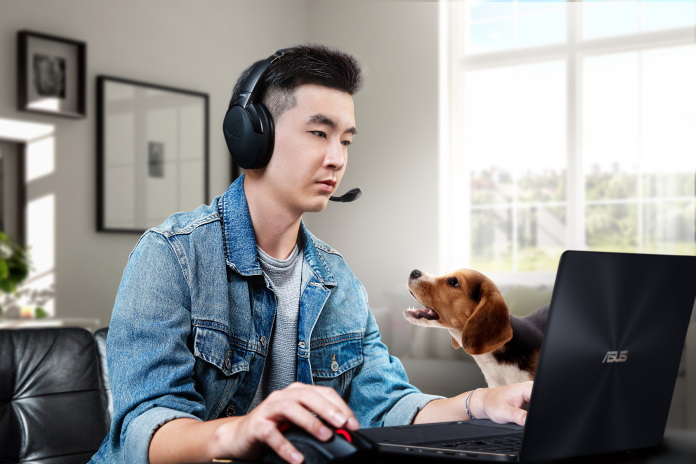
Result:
[466,403]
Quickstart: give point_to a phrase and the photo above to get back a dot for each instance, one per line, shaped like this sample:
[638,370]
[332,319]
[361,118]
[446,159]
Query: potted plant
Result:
[14,265]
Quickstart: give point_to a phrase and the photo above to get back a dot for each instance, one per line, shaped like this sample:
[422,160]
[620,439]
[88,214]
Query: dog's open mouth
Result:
[426,313]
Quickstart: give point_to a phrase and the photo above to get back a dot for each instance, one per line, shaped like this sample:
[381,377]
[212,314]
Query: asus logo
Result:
[615,357]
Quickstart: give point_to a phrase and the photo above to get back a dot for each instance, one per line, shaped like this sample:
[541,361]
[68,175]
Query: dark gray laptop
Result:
[606,374]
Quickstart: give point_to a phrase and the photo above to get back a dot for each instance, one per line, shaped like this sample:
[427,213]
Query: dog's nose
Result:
[416,274]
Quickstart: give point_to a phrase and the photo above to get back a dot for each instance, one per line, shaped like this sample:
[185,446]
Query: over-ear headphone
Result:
[248,125]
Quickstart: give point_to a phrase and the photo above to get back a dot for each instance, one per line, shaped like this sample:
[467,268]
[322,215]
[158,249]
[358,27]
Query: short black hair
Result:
[304,64]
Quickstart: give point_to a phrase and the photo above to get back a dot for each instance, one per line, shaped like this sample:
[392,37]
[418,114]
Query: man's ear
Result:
[489,327]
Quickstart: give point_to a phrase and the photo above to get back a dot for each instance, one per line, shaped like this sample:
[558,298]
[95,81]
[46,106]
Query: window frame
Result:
[454,62]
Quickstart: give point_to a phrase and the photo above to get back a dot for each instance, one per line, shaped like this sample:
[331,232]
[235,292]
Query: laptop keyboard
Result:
[507,445]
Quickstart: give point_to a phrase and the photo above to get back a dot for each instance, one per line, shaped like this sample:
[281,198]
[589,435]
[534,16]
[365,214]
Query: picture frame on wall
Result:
[152,153]
[51,75]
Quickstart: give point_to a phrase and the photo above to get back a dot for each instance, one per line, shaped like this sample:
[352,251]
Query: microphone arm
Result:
[350,195]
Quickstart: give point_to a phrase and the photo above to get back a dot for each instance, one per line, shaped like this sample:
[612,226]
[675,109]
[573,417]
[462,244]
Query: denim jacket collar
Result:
[240,242]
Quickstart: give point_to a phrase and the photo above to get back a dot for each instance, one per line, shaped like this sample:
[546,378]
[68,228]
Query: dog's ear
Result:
[489,327]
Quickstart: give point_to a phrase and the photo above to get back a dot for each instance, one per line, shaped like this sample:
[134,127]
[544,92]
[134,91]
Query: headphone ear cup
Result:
[249,135]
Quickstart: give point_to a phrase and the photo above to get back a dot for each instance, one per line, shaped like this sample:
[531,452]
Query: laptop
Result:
[606,374]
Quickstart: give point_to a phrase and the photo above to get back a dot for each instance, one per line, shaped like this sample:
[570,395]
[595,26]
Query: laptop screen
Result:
[610,355]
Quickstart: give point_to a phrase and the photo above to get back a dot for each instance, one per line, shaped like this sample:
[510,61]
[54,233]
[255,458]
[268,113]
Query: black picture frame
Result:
[152,153]
[51,75]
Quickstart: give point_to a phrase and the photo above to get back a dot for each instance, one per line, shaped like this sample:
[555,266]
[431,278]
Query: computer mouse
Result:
[344,444]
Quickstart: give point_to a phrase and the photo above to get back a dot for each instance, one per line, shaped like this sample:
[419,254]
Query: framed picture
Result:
[152,153]
[12,190]
[51,75]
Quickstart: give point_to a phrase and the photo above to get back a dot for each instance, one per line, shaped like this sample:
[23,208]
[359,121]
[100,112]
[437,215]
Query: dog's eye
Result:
[453,282]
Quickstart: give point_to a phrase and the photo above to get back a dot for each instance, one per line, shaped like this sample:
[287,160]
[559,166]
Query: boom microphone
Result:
[350,195]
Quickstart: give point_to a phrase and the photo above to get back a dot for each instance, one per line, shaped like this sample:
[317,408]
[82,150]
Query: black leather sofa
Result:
[54,395]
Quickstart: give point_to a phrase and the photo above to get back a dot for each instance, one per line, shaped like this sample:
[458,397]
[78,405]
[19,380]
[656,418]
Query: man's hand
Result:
[244,437]
[502,404]
[298,404]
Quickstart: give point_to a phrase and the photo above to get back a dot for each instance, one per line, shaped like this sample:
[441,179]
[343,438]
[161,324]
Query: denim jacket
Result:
[193,318]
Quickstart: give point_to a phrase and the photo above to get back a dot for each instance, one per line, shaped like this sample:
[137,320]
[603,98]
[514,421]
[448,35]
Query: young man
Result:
[233,319]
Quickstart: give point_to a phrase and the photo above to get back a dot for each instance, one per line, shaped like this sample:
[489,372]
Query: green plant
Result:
[14,264]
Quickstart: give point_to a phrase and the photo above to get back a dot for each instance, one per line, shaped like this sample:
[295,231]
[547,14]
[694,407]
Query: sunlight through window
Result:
[571,125]
[39,158]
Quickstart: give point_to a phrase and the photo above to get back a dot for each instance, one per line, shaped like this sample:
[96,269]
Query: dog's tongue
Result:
[426,313]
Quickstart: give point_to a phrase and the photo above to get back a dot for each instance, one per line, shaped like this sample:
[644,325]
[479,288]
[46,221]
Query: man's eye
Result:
[319,133]
[346,143]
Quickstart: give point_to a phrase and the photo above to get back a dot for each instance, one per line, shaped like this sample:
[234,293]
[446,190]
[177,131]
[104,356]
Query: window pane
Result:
[668,227]
[606,19]
[639,150]
[668,15]
[603,186]
[668,110]
[612,227]
[514,133]
[496,26]
[610,122]
[602,18]
[541,238]
[513,140]
[491,239]
[540,23]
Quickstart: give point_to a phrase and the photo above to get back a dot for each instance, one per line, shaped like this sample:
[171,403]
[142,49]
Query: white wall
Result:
[203,45]
[392,228]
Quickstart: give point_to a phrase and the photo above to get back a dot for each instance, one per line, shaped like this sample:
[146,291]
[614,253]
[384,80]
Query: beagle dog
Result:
[470,306]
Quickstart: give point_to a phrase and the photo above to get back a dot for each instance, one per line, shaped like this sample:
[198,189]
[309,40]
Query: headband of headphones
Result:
[248,125]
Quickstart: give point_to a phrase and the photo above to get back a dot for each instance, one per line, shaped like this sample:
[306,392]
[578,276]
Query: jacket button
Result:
[302,345]
[263,340]
[228,363]
[334,366]
[229,411]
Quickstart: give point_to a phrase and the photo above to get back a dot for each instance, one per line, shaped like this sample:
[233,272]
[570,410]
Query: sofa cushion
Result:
[51,405]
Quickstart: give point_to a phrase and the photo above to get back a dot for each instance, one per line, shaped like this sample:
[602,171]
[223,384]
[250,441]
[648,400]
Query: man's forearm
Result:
[188,440]
[501,404]
[444,410]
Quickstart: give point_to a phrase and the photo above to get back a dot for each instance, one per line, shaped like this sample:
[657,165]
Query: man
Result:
[233,319]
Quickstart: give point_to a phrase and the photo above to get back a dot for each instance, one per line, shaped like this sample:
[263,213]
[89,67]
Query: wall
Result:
[201,45]
[392,228]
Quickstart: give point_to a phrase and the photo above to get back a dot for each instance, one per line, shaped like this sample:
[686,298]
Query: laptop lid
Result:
[610,355]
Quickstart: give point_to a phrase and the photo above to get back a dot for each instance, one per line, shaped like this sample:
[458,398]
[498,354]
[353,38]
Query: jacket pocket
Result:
[333,360]
[215,347]
[219,368]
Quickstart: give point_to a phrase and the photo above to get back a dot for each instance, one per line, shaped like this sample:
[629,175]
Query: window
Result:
[571,126]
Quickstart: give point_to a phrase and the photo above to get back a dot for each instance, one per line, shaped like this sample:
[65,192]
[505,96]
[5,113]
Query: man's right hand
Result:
[244,437]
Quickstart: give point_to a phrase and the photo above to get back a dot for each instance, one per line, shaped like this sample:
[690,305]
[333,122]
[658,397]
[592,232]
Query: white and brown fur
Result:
[470,306]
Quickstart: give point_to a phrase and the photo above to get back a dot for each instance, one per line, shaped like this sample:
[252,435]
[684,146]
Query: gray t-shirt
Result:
[281,364]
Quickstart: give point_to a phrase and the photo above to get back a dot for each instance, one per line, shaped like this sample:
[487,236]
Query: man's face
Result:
[311,148]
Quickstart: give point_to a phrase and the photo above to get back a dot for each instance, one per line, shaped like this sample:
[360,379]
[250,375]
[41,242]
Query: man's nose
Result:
[335,156]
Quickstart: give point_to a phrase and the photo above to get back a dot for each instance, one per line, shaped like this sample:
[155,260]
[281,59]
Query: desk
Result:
[678,447]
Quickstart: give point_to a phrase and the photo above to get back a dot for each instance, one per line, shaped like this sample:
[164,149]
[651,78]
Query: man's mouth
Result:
[328,185]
